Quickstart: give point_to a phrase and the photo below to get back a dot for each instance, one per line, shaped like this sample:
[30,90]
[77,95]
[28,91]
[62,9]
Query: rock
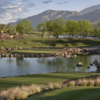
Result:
[32,55]
[91,64]
[13,48]
[7,55]
[95,62]
[88,67]
[80,64]
[42,55]
[26,55]
[18,55]
[11,55]
[22,55]
[15,55]
[8,49]
[9,52]
[2,48]
[19,48]
[2,55]
[37,55]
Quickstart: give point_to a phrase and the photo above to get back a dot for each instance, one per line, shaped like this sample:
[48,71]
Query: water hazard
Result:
[23,66]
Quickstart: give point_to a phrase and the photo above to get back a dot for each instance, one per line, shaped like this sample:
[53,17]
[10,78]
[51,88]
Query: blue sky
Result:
[12,10]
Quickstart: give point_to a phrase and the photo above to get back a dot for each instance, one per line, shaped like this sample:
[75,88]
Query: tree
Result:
[2,28]
[56,26]
[72,27]
[9,28]
[85,27]
[95,31]
[42,27]
[24,27]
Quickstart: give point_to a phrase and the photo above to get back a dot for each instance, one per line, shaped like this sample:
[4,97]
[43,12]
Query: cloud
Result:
[11,10]
[63,2]
[47,1]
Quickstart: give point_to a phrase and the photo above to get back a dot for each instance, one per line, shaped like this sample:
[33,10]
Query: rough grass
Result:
[36,42]
[37,51]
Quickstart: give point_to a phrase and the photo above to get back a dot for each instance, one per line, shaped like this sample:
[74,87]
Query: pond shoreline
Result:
[45,73]
[65,51]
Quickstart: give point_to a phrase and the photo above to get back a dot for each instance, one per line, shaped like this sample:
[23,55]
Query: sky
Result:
[13,10]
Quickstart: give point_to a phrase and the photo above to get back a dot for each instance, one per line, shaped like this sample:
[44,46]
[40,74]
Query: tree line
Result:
[71,28]
[55,28]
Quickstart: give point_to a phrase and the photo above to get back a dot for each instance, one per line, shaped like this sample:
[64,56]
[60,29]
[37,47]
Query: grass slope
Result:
[71,93]
[35,42]
[41,79]
[37,51]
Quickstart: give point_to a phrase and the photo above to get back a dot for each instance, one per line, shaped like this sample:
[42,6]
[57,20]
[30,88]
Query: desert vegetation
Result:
[23,92]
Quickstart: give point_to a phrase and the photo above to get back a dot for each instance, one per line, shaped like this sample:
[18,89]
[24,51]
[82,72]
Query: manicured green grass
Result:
[41,79]
[37,42]
[71,93]
[37,51]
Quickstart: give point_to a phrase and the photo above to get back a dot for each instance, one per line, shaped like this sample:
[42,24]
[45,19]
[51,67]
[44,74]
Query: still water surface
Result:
[23,66]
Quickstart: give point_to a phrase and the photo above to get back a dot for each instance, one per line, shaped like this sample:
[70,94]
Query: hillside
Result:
[50,15]
[90,14]
[90,9]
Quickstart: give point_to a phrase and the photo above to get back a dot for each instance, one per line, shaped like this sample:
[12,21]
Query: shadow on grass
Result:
[71,41]
[73,93]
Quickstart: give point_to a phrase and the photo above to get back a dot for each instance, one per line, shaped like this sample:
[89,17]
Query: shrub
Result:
[57,85]
[21,95]
[97,82]
[51,86]
[71,83]
[64,85]
[79,82]
[84,82]
[91,82]
[35,89]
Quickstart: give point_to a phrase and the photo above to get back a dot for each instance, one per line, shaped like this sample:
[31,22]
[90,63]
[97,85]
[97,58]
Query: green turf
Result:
[37,51]
[71,93]
[52,42]
[41,79]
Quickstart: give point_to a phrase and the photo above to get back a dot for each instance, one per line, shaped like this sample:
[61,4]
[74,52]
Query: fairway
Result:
[52,42]
[41,79]
[70,93]
[37,51]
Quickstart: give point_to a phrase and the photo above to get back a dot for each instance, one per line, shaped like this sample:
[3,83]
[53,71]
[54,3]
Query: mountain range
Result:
[92,14]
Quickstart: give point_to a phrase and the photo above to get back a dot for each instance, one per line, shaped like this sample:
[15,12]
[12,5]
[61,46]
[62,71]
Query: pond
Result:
[23,66]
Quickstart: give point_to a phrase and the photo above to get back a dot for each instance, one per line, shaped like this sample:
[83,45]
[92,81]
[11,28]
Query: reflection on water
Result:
[22,62]
[23,66]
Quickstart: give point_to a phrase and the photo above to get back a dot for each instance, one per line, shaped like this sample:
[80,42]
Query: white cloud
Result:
[11,10]
[8,19]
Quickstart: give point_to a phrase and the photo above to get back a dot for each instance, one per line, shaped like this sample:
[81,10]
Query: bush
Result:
[64,85]
[71,83]
[97,82]
[84,82]
[91,83]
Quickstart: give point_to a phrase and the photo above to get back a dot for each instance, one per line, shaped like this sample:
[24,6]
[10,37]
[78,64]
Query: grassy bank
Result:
[36,42]
[71,93]
[36,51]
[60,89]
[41,79]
